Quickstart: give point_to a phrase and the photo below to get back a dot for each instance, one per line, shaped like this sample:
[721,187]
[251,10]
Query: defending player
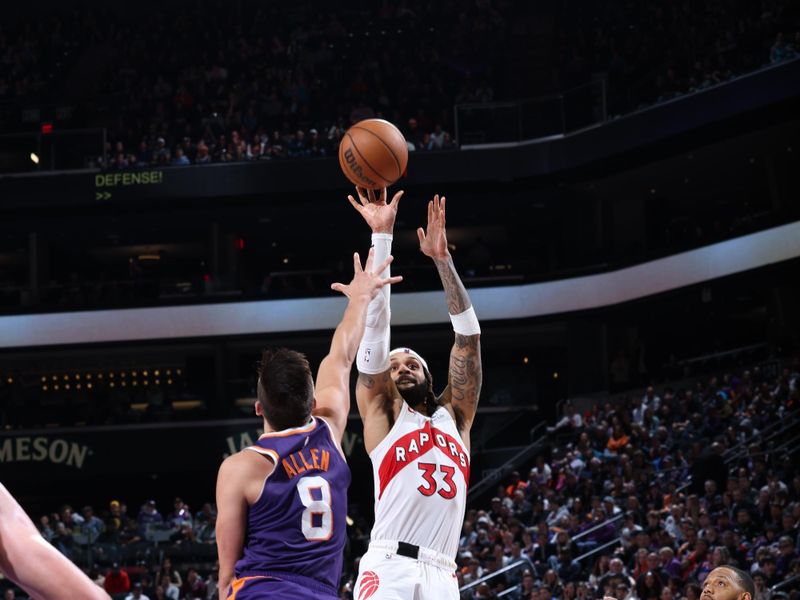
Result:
[728,583]
[418,443]
[725,583]
[282,502]
[27,559]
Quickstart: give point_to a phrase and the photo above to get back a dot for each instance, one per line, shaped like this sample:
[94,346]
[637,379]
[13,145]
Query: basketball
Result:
[373,154]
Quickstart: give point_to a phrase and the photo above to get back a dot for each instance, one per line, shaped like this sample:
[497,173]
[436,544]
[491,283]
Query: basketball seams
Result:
[366,162]
[380,139]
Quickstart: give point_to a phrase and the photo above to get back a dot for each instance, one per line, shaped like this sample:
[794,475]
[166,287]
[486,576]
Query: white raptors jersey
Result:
[421,471]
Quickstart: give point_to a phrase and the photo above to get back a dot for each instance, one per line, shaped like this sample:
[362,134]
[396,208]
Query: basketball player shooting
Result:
[418,442]
[282,503]
[36,566]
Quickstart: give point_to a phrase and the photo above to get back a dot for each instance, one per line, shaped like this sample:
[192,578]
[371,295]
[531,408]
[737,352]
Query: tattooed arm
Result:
[466,374]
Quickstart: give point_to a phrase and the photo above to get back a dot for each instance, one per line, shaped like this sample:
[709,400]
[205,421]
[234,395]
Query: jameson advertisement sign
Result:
[156,448]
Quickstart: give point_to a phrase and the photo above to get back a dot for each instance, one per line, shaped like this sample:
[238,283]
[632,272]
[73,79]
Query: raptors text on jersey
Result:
[421,471]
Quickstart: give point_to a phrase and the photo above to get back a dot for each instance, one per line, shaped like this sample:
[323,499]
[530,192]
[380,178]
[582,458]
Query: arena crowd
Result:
[639,499]
[201,83]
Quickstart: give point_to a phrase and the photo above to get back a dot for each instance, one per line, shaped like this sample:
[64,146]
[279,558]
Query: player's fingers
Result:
[357,263]
[383,266]
[362,195]
[371,196]
[396,199]
[441,205]
[355,204]
[339,287]
[382,196]
[421,235]
[370,259]
[392,280]
[430,211]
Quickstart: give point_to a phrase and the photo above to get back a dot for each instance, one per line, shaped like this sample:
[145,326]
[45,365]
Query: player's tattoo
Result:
[466,377]
[368,381]
[454,291]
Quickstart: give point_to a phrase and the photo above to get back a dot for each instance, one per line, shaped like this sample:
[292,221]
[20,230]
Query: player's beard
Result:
[415,396]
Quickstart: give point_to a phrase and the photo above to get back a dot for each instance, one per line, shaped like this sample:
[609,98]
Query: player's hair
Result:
[285,388]
[744,580]
[430,398]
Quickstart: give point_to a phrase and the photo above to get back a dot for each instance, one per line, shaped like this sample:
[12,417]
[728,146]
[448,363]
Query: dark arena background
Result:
[623,207]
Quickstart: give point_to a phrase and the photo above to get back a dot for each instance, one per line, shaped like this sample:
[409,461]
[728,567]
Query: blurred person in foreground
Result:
[36,566]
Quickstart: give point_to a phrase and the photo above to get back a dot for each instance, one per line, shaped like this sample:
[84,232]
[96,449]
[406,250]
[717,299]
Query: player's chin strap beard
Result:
[421,397]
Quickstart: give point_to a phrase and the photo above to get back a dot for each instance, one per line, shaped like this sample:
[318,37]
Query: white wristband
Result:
[373,351]
[373,357]
[466,323]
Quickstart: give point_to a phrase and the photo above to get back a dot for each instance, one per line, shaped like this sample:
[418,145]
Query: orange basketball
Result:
[373,154]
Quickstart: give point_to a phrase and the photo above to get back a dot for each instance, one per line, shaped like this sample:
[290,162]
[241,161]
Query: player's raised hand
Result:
[365,282]
[378,214]
[433,240]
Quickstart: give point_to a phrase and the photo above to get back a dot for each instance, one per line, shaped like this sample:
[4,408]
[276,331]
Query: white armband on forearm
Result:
[382,242]
[373,351]
[466,323]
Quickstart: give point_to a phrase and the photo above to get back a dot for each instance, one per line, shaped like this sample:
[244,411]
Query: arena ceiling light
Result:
[34,158]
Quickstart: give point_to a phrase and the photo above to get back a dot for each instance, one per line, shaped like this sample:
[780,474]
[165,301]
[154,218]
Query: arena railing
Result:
[523,562]
[531,118]
[769,432]
[615,519]
[507,467]
[782,584]
[599,550]
[52,150]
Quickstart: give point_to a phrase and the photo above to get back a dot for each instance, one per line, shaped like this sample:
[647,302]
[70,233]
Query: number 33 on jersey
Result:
[426,454]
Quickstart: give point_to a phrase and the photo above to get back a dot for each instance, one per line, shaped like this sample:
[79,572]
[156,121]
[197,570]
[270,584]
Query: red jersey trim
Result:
[416,444]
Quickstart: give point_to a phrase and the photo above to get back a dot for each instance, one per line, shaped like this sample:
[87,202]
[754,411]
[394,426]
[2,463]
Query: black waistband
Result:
[408,550]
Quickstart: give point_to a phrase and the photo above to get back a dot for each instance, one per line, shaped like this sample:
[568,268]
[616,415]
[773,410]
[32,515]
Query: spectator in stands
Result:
[63,540]
[194,588]
[618,441]
[148,515]
[648,586]
[516,484]
[92,526]
[180,514]
[136,593]
[571,420]
[528,585]
[45,529]
[167,590]
[179,159]
[787,554]
[70,518]
[780,50]
[616,573]
[167,573]
[473,571]
[117,580]
[541,473]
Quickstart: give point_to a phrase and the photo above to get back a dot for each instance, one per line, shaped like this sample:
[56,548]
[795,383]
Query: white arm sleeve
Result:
[373,351]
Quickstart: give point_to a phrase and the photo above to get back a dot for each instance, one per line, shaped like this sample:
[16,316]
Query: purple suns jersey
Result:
[296,528]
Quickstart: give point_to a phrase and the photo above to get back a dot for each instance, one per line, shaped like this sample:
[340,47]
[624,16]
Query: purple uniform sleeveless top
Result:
[296,529]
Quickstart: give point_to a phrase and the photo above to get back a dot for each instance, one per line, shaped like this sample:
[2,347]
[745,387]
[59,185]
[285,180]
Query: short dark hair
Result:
[744,580]
[285,388]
